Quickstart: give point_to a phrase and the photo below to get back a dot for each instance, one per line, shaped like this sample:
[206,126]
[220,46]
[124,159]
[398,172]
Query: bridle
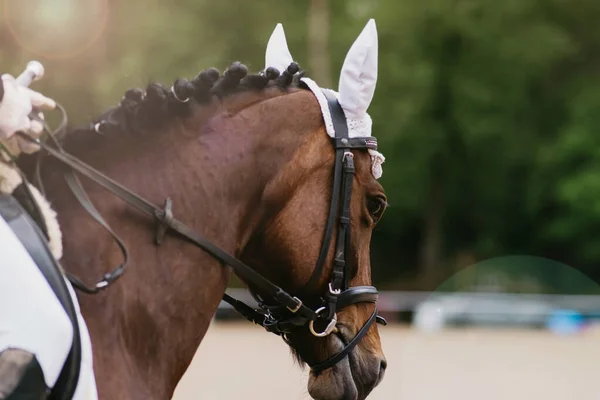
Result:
[279,312]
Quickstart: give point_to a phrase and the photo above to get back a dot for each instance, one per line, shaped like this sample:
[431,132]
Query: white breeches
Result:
[32,318]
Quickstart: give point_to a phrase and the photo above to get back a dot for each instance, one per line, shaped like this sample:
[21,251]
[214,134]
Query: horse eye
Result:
[376,206]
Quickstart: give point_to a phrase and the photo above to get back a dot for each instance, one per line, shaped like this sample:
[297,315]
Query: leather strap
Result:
[358,294]
[84,200]
[343,239]
[338,118]
[333,209]
[359,143]
[245,310]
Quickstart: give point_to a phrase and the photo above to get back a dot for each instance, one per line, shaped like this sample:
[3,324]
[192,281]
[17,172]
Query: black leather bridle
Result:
[278,312]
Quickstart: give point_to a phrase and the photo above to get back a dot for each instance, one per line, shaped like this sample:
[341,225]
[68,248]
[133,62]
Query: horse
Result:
[247,161]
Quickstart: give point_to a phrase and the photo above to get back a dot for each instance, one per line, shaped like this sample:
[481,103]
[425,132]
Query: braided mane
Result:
[157,105]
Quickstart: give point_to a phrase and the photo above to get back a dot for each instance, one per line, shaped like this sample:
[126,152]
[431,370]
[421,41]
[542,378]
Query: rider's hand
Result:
[16,105]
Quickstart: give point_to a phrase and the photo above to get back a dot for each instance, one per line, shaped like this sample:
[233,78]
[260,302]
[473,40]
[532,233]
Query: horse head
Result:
[313,232]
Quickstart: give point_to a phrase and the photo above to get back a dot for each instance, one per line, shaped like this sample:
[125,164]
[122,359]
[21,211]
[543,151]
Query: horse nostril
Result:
[381,374]
[383,365]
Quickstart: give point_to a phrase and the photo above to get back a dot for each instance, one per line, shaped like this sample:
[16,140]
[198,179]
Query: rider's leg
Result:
[31,317]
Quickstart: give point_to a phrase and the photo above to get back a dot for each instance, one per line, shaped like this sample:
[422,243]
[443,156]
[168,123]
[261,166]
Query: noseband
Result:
[278,312]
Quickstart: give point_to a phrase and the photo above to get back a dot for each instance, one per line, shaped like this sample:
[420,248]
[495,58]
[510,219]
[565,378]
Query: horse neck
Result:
[215,178]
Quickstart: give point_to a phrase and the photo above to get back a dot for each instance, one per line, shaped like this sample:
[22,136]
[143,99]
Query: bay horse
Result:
[247,161]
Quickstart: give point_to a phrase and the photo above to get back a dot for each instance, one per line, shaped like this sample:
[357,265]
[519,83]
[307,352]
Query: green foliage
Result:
[486,111]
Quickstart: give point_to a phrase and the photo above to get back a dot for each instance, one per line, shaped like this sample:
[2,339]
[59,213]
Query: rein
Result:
[289,312]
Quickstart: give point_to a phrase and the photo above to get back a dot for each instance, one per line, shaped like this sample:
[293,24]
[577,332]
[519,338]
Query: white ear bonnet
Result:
[358,79]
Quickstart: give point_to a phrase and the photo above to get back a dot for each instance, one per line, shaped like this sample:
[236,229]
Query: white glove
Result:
[16,105]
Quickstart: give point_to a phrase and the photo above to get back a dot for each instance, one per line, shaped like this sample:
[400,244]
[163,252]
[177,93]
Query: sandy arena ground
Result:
[459,364]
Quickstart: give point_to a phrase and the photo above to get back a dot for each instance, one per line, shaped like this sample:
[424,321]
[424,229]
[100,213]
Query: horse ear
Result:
[278,55]
[359,73]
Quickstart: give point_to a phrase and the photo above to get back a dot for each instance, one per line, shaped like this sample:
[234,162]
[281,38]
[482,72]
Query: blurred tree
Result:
[318,46]
[467,96]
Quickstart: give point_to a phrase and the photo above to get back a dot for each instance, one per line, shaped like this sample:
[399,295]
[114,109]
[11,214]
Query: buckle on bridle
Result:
[102,284]
[298,305]
[334,291]
[331,326]
[164,220]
